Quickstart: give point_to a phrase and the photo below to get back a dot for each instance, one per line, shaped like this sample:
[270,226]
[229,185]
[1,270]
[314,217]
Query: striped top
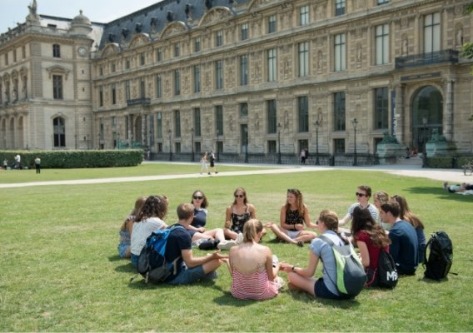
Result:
[255,286]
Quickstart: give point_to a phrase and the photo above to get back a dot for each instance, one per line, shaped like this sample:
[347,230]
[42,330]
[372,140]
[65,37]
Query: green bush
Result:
[68,159]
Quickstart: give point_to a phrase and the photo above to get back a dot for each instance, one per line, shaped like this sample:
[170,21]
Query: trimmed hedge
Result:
[68,159]
[448,162]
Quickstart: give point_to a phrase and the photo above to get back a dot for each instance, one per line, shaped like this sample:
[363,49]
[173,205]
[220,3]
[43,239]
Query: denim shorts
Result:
[190,275]
[321,291]
[122,248]
[134,260]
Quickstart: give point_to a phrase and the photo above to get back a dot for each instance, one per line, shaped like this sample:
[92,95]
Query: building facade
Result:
[237,77]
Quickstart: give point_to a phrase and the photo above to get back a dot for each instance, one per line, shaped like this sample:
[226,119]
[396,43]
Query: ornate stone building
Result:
[262,76]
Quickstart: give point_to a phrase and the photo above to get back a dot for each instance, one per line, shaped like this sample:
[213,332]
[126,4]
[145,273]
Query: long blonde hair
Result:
[251,229]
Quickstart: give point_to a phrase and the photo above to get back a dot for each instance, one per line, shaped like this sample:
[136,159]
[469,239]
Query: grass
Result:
[60,270]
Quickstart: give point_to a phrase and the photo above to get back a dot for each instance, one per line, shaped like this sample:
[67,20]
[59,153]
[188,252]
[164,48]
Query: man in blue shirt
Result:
[404,245]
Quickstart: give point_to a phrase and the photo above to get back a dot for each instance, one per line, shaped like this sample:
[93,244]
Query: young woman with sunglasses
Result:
[294,214]
[363,195]
[206,239]
[237,214]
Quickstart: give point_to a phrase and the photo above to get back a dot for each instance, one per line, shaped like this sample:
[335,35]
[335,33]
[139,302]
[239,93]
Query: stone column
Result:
[448,110]
[400,114]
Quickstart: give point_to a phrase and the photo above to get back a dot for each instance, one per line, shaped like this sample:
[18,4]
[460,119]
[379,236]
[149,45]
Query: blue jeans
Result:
[190,275]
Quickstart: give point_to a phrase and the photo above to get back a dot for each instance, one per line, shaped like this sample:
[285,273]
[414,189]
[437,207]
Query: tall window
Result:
[159,86]
[272,24]
[142,88]
[177,50]
[339,146]
[219,120]
[243,110]
[127,90]
[339,111]
[303,50]
[177,82]
[432,33]
[219,74]
[197,44]
[244,31]
[304,15]
[142,59]
[114,95]
[196,72]
[197,122]
[177,123]
[219,38]
[272,65]
[100,96]
[159,55]
[159,125]
[303,113]
[57,87]
[340,52]
[382,44]
[339,7]
[381,108]
[56,51]
[59,135]
[271,116]
[244,70]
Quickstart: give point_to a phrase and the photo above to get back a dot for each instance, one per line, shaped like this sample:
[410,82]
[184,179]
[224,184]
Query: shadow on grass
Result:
[440,193]
[306,298]
[226,299]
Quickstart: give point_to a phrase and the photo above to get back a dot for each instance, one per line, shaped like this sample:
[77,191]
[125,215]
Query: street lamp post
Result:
[170,147]
[355,123]
[192,145]
[246,144]
[317,124]
[279,143]
[424,143]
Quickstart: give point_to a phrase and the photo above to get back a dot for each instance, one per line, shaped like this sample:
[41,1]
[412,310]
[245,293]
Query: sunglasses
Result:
[358,194]
[239,196]
[196,197]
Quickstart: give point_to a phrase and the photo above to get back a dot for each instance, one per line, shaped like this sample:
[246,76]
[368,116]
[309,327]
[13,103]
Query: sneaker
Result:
[275,261]
[239,239]
[226,245]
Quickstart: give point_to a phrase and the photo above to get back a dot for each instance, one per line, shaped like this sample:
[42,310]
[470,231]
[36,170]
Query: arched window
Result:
[59,132]
[427,114]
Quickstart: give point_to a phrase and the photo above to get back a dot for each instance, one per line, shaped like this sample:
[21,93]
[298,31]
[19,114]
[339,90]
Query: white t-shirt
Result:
[141,231]
[372,209]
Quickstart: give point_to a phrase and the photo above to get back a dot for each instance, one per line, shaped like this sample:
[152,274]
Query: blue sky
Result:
[13,11]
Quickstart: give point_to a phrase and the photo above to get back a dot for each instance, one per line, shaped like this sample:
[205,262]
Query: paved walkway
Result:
[452,176]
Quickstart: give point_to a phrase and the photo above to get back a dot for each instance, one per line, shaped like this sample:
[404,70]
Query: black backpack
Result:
[440,257]
[387,273]
[152,264]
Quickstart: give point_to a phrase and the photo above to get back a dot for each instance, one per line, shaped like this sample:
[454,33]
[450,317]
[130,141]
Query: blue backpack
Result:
[351,276]
[152,263]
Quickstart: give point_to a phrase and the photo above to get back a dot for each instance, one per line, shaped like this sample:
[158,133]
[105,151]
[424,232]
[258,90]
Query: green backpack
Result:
[351,275]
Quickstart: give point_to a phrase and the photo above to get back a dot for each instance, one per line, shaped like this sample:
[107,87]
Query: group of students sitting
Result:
[387,225]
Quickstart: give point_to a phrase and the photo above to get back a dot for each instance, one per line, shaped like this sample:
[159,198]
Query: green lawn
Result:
[60,270]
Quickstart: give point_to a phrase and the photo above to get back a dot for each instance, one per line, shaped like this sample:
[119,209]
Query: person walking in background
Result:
[253,267]
[37,164]
[302,156]
[17,161]
[5,164]
[204,167]
[212,163]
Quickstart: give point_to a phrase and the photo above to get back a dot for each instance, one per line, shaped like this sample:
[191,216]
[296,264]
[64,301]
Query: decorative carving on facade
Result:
[173,28]
[215,15]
